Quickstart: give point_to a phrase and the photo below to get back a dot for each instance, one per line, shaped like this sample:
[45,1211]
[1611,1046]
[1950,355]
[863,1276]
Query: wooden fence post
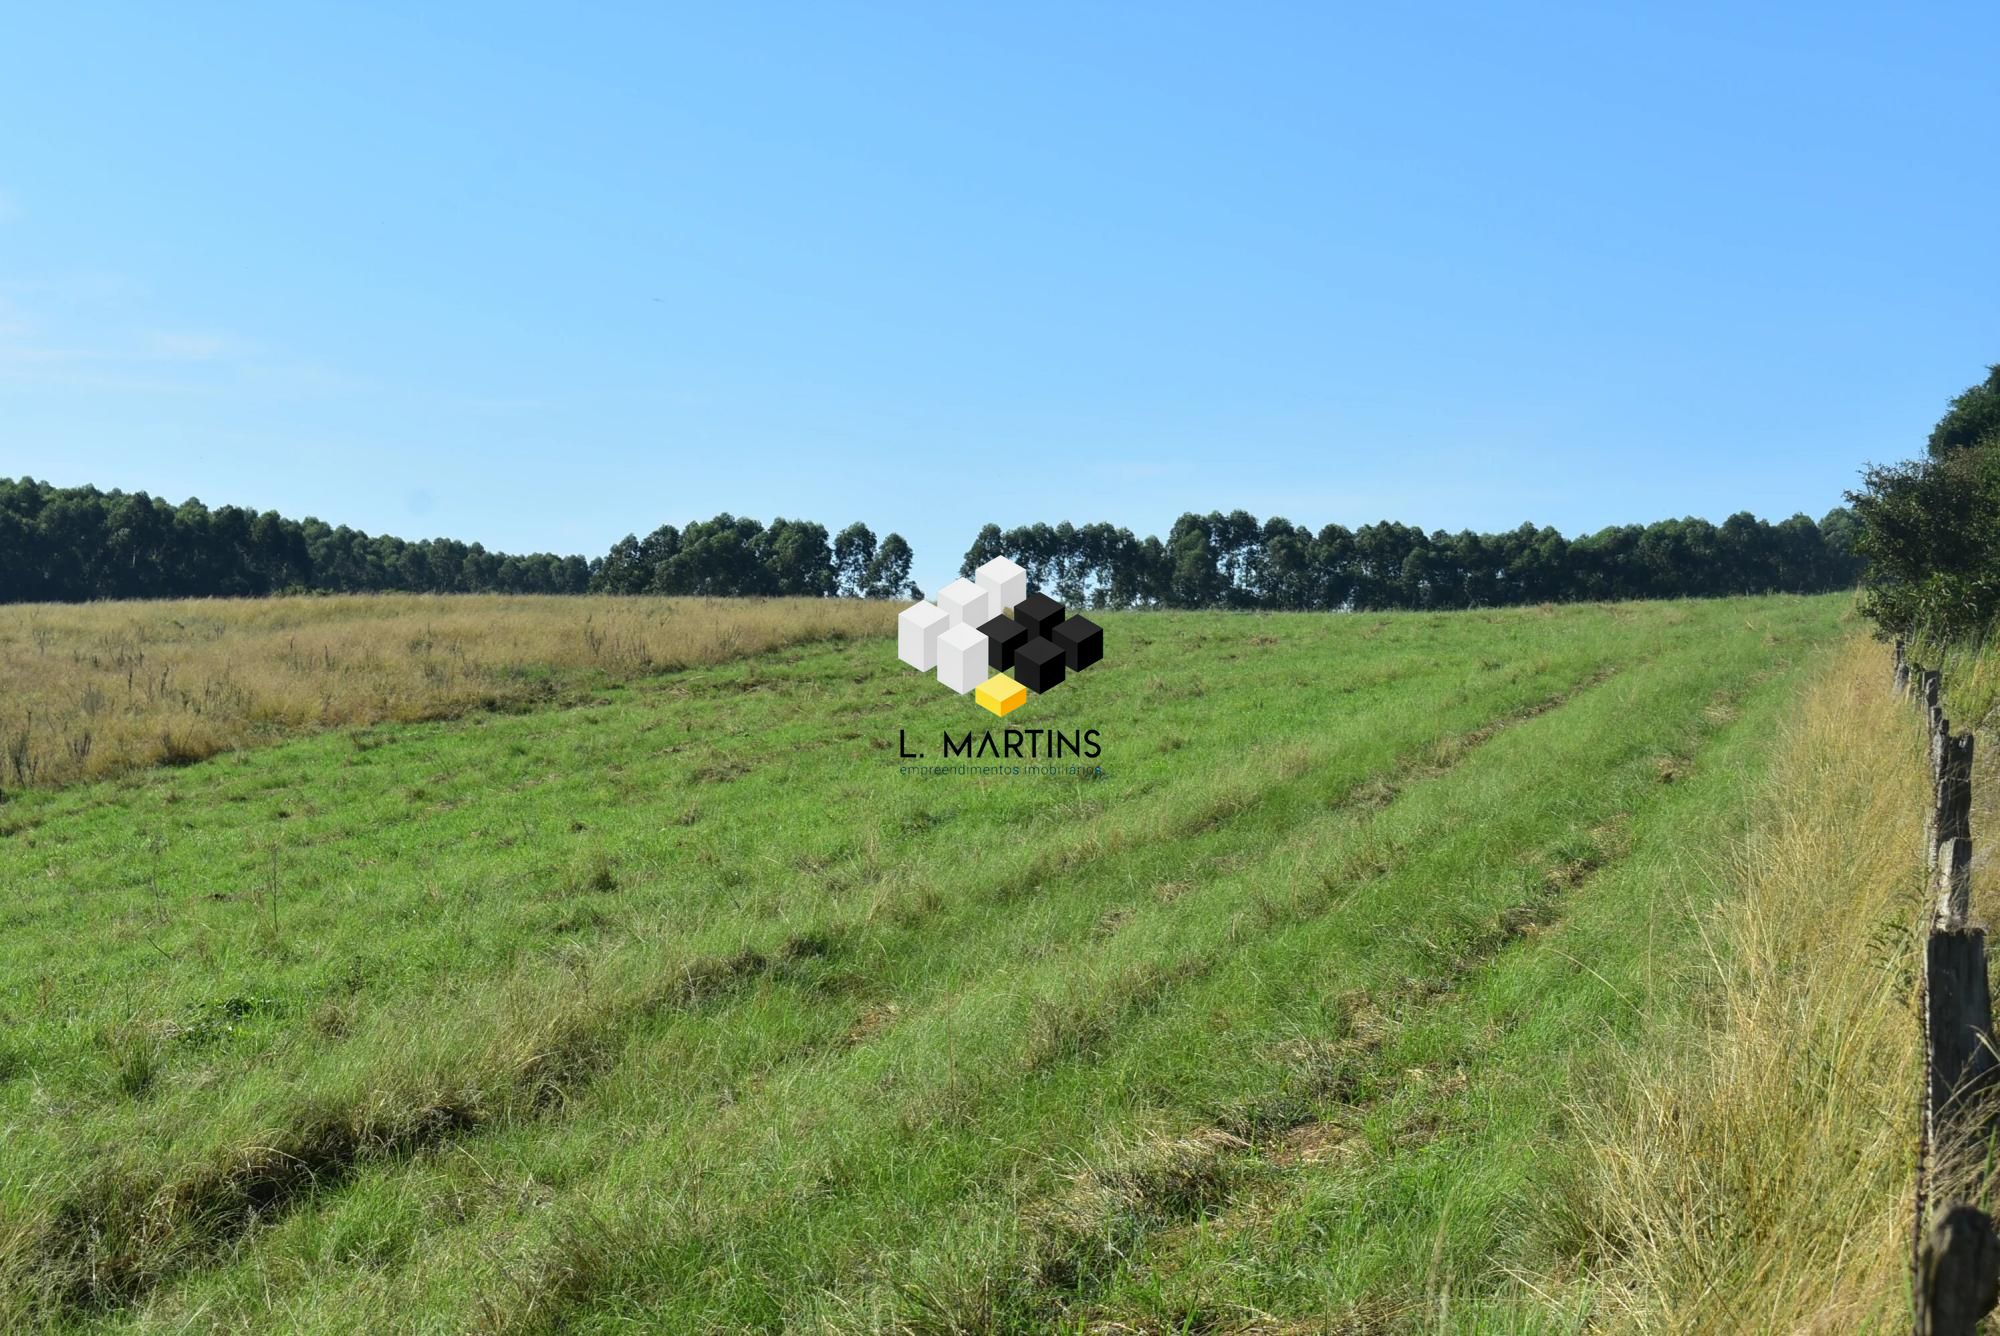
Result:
[1940,744]
[1953,881]
[1958,1273]
[1951,806]
[1958,1033]
[1957,1260]
[1940,739]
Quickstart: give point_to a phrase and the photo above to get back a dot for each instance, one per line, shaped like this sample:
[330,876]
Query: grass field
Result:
[1754,1170]
[681,1009]
[94,689]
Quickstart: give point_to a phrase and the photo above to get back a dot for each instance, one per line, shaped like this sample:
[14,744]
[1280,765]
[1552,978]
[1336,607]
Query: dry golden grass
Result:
[1760,1178]
[94,689]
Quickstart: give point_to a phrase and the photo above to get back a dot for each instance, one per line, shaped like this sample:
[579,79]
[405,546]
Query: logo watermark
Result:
[994,638]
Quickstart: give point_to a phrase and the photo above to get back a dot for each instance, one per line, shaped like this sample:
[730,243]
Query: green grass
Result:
[686,1010]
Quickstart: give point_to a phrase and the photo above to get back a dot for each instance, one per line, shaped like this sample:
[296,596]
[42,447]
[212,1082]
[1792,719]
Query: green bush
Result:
[1931,526]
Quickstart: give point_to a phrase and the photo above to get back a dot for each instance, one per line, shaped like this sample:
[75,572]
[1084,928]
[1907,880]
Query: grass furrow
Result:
[965,1089]
[119,1234]
[683,1008]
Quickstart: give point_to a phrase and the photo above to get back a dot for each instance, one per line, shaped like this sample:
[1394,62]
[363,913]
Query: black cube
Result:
[1003,635]
[1082,642]
[1038,664]
[1039,613]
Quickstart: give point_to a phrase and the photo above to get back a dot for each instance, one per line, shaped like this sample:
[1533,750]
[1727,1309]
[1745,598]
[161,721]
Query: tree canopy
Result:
[1232,560]
[1972,420]
[732,557]
[1930,527]
[73,544]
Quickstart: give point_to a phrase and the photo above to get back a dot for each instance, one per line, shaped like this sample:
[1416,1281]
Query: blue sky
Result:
[542,277]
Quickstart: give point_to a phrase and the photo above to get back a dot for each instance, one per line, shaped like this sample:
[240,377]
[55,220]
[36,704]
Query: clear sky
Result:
[542,277]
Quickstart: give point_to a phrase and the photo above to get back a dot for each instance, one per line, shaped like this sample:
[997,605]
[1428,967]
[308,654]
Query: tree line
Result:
[1234,561]
[730,556]
[75,544]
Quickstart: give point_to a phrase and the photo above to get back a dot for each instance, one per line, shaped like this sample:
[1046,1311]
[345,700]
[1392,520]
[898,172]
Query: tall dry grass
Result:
[1759,1176]
[1971,676]
[88,690]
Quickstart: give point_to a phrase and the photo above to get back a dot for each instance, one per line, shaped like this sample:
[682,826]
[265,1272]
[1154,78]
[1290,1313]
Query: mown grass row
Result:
[949,962]
[994,1118]
[491,1072]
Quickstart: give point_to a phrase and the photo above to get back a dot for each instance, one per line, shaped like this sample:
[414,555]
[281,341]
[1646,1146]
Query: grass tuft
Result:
[1755,1173]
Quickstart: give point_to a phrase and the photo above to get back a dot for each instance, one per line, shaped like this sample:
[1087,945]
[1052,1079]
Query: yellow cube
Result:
[1000,694]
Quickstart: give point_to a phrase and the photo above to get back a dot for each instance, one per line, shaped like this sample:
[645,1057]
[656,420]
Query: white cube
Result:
[917,630]
[1005,581]
[961,658]
[968,604]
